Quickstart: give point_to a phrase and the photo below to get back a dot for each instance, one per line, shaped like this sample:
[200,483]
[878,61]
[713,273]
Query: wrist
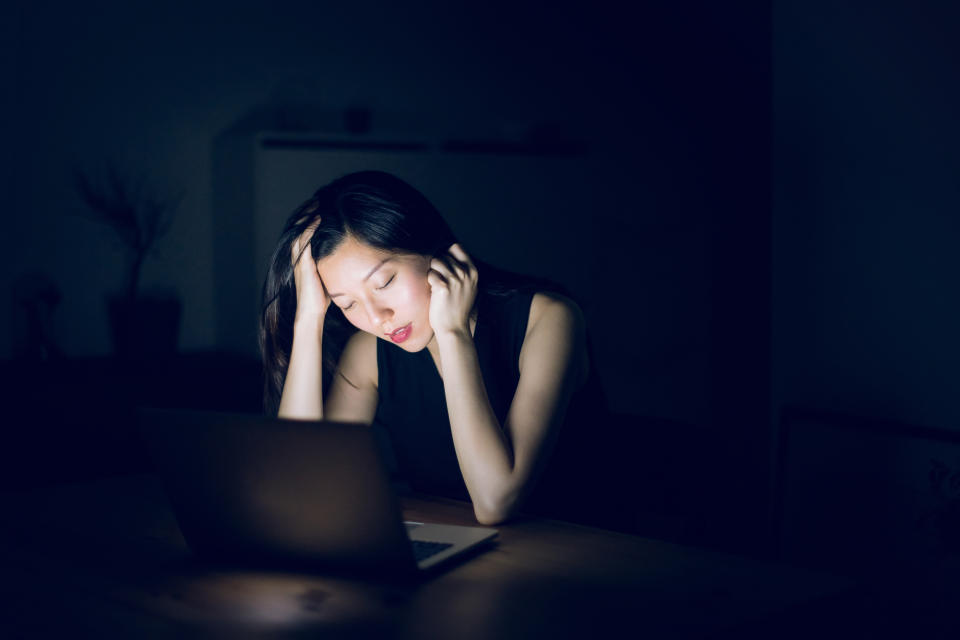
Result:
[308,323]
[452,335]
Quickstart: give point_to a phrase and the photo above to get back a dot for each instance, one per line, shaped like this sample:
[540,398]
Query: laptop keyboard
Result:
[423,549]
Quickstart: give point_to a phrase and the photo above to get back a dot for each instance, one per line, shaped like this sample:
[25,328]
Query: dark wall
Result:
[867,209]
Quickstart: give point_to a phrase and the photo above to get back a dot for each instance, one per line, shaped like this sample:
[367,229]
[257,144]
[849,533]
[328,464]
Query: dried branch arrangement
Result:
[137,215]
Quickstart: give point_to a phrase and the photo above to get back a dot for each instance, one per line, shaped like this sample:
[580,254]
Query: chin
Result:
[414,347]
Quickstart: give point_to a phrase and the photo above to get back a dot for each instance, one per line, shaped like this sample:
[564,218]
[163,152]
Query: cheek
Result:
[423,295]
[355,321]
[415,294]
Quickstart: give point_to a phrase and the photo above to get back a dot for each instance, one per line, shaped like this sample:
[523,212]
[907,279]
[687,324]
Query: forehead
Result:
[351,262]
[351,252]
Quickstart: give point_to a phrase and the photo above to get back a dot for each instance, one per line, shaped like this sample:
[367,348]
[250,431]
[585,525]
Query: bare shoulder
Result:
[549,308]
[555,320]
[358,363]
[553,305]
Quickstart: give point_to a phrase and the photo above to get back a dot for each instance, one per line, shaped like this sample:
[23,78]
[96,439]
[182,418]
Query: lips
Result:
[400,334]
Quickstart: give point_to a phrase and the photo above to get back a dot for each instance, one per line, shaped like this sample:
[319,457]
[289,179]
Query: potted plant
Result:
[141,323]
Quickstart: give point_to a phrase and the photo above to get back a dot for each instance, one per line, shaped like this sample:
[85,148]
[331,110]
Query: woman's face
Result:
[380,292]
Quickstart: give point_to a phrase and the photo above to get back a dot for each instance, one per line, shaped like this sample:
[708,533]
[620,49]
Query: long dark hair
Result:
[377,209]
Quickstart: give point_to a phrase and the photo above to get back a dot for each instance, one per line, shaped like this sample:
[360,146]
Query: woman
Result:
[468,368]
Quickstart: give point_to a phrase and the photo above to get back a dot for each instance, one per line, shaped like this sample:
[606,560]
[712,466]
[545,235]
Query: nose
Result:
[378,314]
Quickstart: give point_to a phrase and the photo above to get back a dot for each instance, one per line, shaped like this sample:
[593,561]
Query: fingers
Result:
[446,268]
[456,264]
[302,241]
[457,252]
[295,253]
[296,249]
[436,281]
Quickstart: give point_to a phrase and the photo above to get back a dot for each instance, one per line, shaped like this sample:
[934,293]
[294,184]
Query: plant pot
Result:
[146,326]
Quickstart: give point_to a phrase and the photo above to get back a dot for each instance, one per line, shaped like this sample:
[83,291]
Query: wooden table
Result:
[105,559]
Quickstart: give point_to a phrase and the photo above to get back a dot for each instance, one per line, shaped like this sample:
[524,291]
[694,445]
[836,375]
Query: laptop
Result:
[308,494]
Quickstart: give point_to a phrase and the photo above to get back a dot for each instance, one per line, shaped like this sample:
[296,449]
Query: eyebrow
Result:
[367,277]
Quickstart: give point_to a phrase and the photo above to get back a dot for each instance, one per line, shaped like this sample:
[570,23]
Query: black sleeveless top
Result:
[412,408]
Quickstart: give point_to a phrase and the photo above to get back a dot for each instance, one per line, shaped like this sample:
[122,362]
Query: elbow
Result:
[491,518]
[494,512]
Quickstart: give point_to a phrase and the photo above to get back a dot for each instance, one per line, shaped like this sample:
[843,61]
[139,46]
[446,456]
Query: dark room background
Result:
[755,203]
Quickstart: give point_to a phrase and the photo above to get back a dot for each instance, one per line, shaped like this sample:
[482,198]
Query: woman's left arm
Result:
[500,464]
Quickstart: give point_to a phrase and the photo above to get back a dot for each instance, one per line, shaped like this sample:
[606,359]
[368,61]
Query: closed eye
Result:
[385,285]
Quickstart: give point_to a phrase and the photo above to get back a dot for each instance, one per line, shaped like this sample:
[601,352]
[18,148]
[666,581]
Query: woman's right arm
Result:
[302,396]
[353,393]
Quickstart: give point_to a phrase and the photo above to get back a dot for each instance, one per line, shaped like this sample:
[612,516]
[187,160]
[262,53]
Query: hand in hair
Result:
[312,298]
[453,290]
